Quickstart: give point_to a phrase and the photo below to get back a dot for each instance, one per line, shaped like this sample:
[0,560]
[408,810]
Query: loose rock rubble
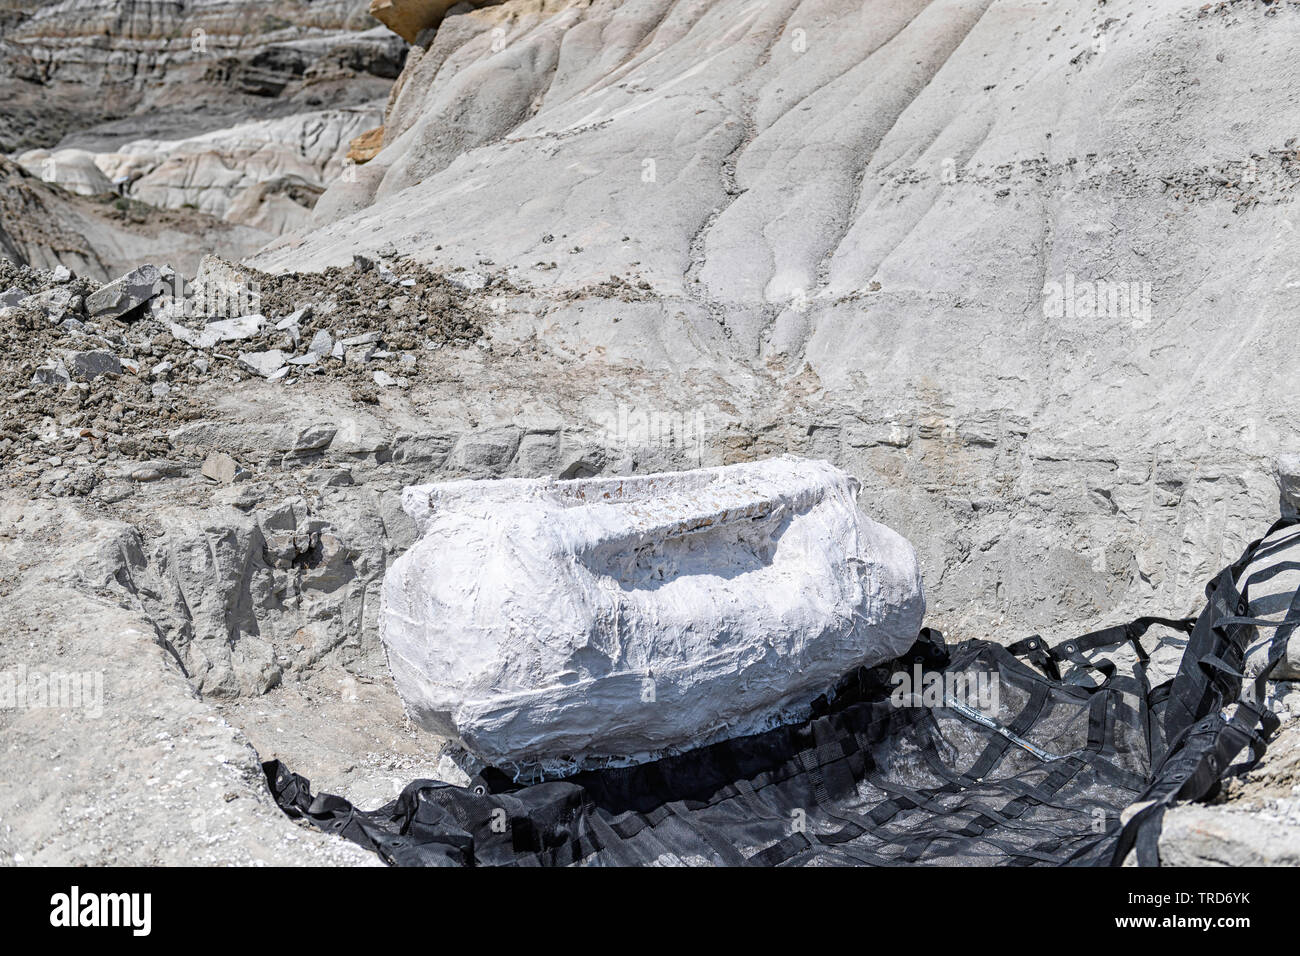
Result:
[97,374]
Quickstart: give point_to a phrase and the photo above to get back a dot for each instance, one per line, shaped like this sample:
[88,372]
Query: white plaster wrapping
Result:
[562,624]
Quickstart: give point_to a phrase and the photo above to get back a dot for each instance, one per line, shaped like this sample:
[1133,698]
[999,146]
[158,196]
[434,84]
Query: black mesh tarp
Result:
[1039,778]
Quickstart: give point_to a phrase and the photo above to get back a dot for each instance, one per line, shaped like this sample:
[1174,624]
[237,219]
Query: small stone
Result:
[202,365]
[264,364]
[53,374]
[88,366]
[221,468]
[468,281]
[282,548]
[365,338]
[61,274]
[11,297]
[124,294]
[55,303]
[160,389]
[225,330]
[155,470]
[333,477]
[320,344]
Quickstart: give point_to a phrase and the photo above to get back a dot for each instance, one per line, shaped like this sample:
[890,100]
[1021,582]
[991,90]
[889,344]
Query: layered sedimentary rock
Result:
[908,221]
[225,106]
[224,173]
[101,237]
[554,624]
[112,70]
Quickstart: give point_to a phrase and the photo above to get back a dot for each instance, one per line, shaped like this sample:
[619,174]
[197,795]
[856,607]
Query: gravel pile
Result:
[95,375]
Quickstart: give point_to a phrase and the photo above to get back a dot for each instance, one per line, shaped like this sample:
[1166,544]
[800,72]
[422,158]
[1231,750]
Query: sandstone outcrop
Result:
[408,18]
[364,148]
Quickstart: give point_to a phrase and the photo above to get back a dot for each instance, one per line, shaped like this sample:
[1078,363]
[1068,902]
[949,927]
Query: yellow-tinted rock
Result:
[366,147]
[407,18]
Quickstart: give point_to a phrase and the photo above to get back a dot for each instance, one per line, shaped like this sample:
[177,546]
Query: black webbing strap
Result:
[1035,649]
[1143,830]
[1047,658]
[1211,676]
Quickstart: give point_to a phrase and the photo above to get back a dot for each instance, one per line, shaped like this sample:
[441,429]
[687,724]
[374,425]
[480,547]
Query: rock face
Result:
[867,209]
[407,18]
[46,227]
[556,624]
[225,107]
[107,71]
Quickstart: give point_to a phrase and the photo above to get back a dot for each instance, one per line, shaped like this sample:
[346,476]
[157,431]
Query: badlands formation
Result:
[1026,270]
[210,126]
